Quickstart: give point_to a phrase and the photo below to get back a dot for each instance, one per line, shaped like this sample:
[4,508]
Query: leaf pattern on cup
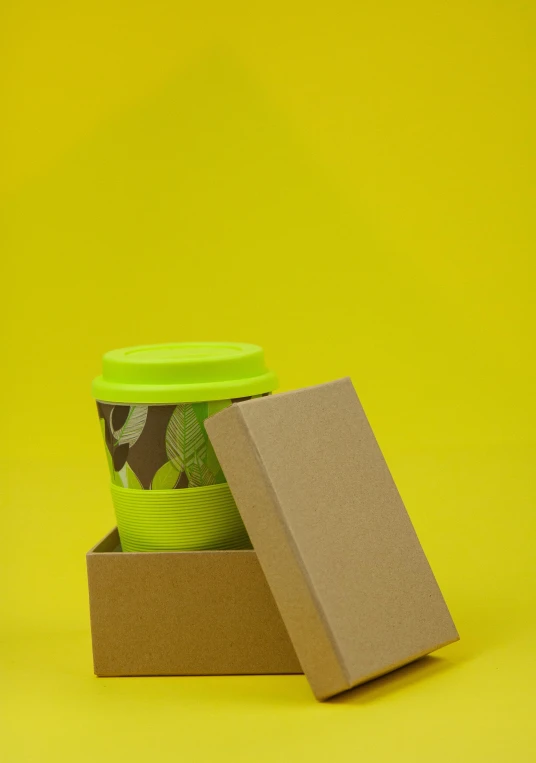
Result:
[120,456]
[125,477]
[168,447]
[130,423]
[108,454]
[118,416]
[199,474]
[186,446]
[166,477]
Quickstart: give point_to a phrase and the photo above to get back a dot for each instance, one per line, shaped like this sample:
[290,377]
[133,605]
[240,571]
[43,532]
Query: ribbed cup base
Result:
[191,519]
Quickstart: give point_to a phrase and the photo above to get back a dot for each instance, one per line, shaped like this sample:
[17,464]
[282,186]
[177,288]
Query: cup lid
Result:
[185,372]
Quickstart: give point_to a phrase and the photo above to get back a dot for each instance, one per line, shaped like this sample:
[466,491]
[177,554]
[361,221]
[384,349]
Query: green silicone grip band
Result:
[178,520]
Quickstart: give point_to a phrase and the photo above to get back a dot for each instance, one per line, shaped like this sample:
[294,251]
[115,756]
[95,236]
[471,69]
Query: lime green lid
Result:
[183,373]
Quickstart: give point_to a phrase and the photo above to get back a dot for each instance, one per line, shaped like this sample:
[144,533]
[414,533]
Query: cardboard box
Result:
[183,613]
[333,538]
[337,550]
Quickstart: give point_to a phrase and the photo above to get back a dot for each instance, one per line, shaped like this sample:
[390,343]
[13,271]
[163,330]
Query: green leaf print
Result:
[116,478]
[199,474]
[212,459]
[125,477]
[166,477]
[108,455]
[201,413]
[215,406]
[131,430]
[186,446]
[132,481]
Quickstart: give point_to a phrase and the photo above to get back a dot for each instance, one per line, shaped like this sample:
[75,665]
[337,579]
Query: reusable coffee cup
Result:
[168,489]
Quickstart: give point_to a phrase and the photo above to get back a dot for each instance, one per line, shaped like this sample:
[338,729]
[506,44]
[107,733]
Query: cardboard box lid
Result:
[333,538]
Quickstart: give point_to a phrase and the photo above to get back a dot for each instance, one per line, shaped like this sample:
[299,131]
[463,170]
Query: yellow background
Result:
[349,184]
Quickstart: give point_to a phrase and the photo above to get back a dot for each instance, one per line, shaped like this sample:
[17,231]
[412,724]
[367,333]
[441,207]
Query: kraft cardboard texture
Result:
[183,613]
[334,540]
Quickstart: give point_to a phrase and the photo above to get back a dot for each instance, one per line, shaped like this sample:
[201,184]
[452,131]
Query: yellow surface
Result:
[350,185]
